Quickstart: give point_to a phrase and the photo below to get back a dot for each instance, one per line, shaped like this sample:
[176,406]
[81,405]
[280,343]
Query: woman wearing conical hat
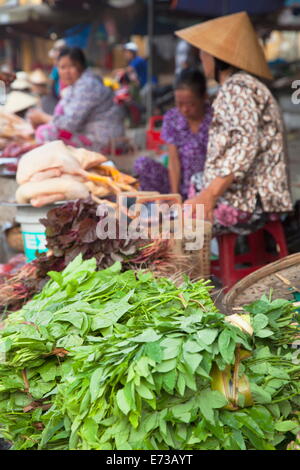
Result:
[245,178]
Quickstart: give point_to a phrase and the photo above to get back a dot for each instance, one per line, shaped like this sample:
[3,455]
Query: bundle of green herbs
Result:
[123,360]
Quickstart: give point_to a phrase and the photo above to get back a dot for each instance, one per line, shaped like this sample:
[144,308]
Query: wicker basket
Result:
[14,239]
[196,263]
[274,278]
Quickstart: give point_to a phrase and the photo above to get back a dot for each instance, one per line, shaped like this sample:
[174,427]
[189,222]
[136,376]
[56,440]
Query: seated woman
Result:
[245,180]
[185,130]
[86,115]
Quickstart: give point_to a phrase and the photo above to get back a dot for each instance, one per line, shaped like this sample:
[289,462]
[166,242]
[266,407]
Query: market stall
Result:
[107,345]
[112,342]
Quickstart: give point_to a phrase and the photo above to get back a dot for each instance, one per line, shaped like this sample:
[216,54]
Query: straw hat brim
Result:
[232,39]
[17,101]
[38,77]
[20,85]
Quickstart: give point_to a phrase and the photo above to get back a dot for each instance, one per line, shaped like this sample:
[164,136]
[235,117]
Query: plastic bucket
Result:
[33,232]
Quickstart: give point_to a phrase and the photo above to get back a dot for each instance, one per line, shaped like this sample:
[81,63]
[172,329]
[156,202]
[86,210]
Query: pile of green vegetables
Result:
[110,360]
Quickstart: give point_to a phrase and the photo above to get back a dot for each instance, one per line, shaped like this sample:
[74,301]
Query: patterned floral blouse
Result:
[246,139]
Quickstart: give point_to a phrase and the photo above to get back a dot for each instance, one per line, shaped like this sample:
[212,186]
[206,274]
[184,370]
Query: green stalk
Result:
[285,398]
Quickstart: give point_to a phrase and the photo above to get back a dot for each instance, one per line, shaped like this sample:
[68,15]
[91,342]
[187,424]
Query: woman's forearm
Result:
[219,185]
[47,118]
[174,169]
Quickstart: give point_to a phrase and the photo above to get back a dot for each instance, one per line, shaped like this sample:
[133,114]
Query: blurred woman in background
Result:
[185,131]
[86,115]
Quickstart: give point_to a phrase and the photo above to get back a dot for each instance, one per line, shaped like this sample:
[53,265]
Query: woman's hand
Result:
[210,195]
[38,117]
[207,199]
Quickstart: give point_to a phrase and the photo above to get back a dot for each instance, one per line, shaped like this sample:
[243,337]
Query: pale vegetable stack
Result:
[56,172]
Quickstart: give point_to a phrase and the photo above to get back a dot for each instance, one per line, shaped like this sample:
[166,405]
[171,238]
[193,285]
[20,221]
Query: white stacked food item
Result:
[54,172]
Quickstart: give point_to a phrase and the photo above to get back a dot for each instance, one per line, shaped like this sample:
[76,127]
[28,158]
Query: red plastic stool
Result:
[153,139]
[225,268]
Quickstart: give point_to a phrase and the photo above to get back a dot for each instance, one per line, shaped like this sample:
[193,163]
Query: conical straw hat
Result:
[232,39]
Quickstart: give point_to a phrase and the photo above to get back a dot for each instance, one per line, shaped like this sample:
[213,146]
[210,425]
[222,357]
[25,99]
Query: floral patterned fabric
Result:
[246,139]
[85,117]
[192,148]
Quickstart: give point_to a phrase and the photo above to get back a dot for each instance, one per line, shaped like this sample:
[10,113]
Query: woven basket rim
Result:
[262,273]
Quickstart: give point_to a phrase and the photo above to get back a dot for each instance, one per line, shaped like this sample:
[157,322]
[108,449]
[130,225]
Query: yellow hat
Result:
[232,39]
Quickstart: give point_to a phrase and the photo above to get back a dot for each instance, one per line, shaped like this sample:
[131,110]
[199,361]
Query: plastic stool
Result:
[153,139]
[226,269]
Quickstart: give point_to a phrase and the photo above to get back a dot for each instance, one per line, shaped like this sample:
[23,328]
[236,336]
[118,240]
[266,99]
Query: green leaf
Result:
[261,415]
[70,341]
[166,366]
[259,322]
[181,384]
[95,383]
[75,318]
[264,333]
[122,402]
[192,346]
[171,347]
[250,424]
[48,371]
[285,426]
[112,312]
[226,346]
[260,395]
[52,427]
[134,419]
[154,351]
[209,400]
[56,277]
[260,368]
[280,303]
[285,408]
[148,336]
[89,431]
[239,439]
[5,345]
[192,361]
[144,392]
[142,367]
[150,422]
[208,335]
[201,431]
[169,380]
[260,306]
